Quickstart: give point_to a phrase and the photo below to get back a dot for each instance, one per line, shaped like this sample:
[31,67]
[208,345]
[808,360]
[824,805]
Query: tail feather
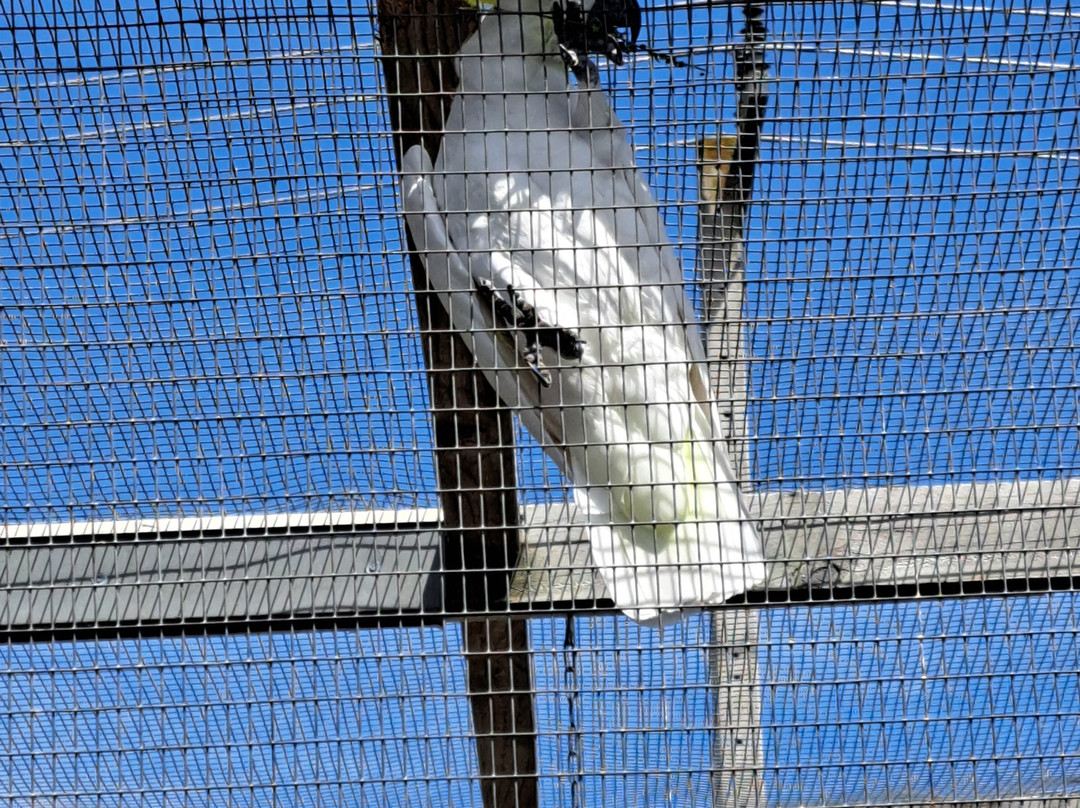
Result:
[670,531]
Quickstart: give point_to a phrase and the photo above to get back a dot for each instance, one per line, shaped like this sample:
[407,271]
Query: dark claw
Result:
[528,311]
[532,358]
[615,50]
[563,340]
[584,70]
[503,310]
[569,57]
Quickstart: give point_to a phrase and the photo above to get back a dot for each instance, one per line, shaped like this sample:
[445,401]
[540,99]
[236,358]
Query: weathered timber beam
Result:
[727,169]
[893,536]
[379,563]
[726,173]
[195,572]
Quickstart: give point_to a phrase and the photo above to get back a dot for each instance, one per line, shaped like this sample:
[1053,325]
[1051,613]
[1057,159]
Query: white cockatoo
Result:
[544,243]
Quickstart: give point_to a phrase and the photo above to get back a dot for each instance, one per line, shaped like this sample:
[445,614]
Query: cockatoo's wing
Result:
[448,275]
[461,279]
[668,524]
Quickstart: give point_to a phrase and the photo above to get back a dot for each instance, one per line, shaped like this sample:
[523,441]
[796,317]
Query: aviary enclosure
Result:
[271,538]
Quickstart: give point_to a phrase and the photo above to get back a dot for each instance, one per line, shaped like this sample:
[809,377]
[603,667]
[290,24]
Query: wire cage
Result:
[272,538]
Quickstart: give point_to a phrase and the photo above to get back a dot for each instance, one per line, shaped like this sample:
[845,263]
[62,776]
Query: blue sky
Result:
[205,309]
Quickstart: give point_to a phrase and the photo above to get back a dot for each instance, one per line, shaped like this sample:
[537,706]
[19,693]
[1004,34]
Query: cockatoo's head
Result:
[592,27]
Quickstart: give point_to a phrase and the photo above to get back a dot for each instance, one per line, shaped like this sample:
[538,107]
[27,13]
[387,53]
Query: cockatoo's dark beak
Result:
[596,31]
[633,20]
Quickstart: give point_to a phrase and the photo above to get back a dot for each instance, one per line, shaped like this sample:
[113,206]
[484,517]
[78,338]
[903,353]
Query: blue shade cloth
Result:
[900,703]
[202,315]
[887,703]
[912,280]
[207,308]
[340,718]
[368,718]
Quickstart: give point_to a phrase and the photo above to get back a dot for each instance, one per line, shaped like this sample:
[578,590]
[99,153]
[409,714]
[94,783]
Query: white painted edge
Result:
[253,523]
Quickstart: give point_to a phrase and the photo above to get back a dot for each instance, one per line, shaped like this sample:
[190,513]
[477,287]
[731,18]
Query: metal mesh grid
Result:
[217,472]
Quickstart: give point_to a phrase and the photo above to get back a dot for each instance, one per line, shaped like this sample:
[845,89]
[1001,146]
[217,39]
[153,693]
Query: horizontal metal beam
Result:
[152,573]
[149,574]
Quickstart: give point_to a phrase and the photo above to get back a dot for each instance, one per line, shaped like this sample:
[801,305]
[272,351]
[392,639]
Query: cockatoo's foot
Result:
[520,315]
[582,32]
[567,342]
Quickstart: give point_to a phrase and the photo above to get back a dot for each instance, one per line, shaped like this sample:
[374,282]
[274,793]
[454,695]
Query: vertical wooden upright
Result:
[727,168]
[737,756]
[474,433]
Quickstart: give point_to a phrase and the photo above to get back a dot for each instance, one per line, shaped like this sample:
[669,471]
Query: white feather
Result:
[535,187]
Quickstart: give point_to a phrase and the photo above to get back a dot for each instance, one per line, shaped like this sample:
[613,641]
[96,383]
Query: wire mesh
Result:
[218,465]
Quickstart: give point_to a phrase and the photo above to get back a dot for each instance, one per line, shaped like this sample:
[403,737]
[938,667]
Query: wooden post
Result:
[727,176]
[737,745]
[474,433]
